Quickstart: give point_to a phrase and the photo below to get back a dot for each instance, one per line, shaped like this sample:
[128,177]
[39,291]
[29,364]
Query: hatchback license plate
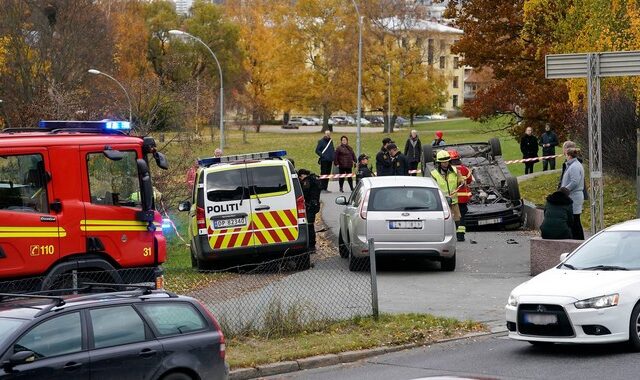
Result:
[405,225]
[230,222]
[541,319]
[483,222]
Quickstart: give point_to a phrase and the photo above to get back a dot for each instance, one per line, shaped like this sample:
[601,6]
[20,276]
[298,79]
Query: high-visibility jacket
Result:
[464,191]
[448,185]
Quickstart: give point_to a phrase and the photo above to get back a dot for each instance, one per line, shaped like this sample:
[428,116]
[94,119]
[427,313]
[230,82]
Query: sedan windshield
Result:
[610,250]
[7,327]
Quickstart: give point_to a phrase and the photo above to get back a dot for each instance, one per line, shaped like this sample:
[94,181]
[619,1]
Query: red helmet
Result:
[454,154]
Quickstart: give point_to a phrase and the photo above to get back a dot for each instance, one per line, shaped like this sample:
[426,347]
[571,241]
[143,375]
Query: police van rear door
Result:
[228,208]
[273,203]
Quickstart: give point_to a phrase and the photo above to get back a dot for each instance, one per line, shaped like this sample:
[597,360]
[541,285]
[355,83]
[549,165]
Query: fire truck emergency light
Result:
[241,157]
[104,125]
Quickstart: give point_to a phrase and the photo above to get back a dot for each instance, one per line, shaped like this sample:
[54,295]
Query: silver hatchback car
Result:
[404,216]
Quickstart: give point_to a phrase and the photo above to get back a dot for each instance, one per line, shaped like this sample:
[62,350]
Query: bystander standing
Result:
[438,141]
[548,142]
[345,160]
[529,149]
[558,217]
[572,184]
[325,152]
[413,150]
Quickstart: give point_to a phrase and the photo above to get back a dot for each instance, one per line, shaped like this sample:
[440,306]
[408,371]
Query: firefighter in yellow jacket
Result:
[449,180]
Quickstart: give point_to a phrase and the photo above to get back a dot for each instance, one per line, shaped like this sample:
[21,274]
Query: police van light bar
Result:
[104,125]
[242,157]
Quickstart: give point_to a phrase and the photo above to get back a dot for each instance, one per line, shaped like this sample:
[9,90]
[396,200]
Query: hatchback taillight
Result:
[364,205]
[302,211]
[218,329]
[445,206]
[201,220]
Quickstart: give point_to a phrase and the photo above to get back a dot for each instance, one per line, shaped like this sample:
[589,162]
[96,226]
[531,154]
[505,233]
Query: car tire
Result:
[634,329]
[343,249]
[513,188]
[177,376]
[194,261]
[448,264]
[356,264]
[496,148]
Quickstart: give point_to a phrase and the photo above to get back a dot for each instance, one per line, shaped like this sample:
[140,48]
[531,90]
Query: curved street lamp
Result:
[98,72]
[359,78]
[175,32]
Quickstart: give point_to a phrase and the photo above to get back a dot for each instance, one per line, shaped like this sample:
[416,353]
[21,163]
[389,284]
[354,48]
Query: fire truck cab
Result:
[77,197]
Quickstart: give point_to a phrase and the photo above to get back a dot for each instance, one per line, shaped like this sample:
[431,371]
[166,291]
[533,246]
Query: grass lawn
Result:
[619,197]
[355,334]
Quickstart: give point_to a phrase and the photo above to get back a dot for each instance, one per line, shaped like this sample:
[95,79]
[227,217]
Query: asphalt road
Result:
[486,273]
[492,357]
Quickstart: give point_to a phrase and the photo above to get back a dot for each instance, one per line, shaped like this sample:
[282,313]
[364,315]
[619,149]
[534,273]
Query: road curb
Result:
[327,360]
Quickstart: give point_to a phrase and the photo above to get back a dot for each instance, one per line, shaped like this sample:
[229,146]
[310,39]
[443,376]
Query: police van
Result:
[245,207]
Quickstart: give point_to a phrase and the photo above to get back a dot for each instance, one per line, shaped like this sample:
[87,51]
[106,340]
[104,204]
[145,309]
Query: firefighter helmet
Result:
[443,156]
[454,154]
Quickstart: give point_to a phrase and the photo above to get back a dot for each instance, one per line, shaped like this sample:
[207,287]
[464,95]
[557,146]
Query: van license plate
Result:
[231,222]
[483,222]
[405,224]
[541,319]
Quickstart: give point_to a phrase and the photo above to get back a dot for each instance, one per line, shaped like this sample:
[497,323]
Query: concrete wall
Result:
[533,216]
[545,253]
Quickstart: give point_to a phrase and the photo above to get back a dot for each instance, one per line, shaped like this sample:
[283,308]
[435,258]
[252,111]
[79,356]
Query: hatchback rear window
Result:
[268,180]
[173,318]
[404,199]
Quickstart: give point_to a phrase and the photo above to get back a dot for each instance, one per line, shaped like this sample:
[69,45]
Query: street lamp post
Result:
[359,78]
[389,97]
[98,72]
[185,34]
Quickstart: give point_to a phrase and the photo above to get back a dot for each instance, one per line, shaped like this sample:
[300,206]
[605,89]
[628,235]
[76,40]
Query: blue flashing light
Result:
[166,226]
[208,161]
[103,125]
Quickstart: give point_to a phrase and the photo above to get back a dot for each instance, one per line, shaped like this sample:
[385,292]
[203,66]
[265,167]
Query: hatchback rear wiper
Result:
[568,266]
[605,267]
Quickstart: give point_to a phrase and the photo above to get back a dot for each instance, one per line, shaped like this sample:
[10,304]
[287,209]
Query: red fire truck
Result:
[76,197]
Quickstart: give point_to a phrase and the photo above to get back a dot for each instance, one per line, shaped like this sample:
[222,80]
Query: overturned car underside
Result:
[495,199]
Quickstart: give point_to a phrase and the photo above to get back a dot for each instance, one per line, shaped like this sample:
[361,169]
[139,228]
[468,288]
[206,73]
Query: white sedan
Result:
[592,296]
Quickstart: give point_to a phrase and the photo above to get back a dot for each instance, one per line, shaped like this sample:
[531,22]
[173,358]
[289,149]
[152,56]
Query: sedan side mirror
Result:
[341,200]
[18,358]
[184,206]
[563,256]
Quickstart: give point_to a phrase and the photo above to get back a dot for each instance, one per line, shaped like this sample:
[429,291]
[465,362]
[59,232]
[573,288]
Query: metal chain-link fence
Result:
[277,297]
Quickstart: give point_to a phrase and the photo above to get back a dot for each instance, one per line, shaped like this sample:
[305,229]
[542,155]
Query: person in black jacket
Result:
[311,188]
[363,170]
[529,149]
[383,159]
[399,163]
[325,152]
[558,217]
[548,142]
[413,150]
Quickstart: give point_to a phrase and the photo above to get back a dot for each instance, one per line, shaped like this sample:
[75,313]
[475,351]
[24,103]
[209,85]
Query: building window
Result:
[455,101]
[456,62]
[430,51]
[443,62]
[455,82]
[443,45]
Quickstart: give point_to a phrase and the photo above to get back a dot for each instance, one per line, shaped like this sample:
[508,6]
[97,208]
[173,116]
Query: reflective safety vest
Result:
[449,185]
[464,192]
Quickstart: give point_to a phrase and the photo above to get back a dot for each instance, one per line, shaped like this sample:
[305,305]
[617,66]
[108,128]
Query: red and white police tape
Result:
[349,175]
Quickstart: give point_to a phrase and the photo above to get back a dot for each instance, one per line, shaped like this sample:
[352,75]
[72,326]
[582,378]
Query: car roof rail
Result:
[145,289]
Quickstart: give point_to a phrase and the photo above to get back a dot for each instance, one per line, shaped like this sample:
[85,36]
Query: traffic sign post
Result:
[593,66]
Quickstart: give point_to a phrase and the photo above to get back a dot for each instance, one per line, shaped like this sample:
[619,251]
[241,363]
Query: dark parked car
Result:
[139,334]
[495,199]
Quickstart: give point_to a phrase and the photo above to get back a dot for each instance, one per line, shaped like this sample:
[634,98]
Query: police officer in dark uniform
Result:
[399,162]
[363,170]
[311,188]
[383,159]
